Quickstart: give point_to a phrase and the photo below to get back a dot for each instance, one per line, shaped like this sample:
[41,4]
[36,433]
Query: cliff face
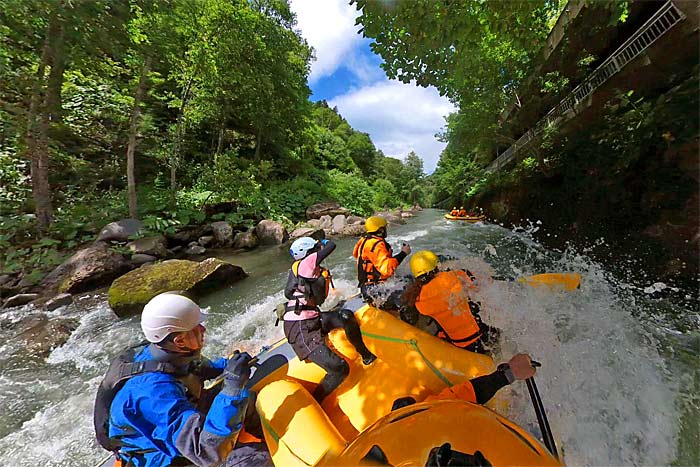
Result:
[628,174]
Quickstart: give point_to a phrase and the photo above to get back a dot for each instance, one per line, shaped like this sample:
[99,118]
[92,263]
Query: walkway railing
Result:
[661,22]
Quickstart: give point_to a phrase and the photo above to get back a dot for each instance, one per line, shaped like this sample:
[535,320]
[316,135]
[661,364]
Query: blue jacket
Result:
[153,418]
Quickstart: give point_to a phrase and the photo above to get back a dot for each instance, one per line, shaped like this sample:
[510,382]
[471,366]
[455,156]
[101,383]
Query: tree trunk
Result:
[133,130]
[179,130]
[220,142]
[45,103]
[258,142]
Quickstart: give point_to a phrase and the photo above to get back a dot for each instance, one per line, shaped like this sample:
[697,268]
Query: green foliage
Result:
[385,194]
[14,182]
[351,191]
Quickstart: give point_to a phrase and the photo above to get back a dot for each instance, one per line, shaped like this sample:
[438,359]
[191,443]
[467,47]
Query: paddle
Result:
[553,280]
[541,414]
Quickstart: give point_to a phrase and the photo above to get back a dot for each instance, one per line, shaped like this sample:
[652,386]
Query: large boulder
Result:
[246,240]
[129,293]
[326,222]
[19,300]
[58,301]
[316,234]
[119,231]
[353,230]
[188,234]
[338,223]
[223,233]
[87,269]
[326,209]
[356,220]
[271,233]
[152,246]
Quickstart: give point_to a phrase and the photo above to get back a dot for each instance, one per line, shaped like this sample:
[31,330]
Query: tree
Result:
[363,152]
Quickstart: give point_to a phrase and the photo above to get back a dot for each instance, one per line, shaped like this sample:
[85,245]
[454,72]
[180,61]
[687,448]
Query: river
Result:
[621,369]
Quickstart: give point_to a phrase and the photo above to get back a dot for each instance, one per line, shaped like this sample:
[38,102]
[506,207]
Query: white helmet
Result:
[167,313]
[301,247]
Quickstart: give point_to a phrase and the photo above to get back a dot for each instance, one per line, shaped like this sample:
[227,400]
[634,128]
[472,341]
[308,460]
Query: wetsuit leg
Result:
[346,319]
[336,370]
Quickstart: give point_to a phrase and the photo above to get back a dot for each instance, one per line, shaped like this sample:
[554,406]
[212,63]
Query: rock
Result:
[353,230]
[391,218]
[41,335]
[175,250]
[406,214]
[140,258]
[4,279]
[58,301]
[25,283]
[132,291]
[20,299]
[223,233]
[271,233]
[246,240]
[314,223]
[153,246]
[206,240]
[119,231]
[326,209]
[326,222]
[188,234]
[338,223]
[316,234]
[195,250]
[356,220]
[88,268]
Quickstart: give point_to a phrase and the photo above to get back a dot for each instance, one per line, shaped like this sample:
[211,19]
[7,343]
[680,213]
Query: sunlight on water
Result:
[614,380]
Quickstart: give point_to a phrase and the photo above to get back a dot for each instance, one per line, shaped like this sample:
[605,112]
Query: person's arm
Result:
[327,247]
[204,439]
[482,388]
[385,263]
[291,286]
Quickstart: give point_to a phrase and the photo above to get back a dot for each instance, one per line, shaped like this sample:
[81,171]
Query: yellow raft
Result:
[358,414]
[469,219]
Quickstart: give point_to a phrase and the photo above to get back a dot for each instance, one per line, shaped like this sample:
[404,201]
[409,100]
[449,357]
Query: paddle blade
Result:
[563,280]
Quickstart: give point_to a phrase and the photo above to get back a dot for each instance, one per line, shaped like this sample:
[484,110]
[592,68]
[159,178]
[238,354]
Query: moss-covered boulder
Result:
[129,293]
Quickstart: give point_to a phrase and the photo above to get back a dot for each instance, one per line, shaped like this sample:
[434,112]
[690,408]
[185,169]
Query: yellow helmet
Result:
[374,223]
[423,262]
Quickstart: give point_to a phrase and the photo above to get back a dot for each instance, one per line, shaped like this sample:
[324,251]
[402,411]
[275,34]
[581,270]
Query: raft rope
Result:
[413,344]
[279,440]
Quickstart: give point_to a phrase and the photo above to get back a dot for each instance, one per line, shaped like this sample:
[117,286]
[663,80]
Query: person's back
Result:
[454,212]
[445,299]
[462,212]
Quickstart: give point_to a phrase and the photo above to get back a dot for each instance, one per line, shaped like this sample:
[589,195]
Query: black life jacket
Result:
[313,290]
[122,368]
[367,272]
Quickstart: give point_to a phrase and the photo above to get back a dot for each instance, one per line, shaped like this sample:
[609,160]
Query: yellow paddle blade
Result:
[562,280]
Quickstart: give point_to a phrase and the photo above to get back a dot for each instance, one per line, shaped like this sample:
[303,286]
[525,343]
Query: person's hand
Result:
[406,248]
[237,371]
[521,366]
[323,241]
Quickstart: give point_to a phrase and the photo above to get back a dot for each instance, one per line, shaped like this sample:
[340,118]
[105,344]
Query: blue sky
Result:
[398,117]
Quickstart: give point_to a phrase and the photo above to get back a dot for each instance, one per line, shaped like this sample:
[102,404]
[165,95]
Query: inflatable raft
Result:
[358,415]
[469,219]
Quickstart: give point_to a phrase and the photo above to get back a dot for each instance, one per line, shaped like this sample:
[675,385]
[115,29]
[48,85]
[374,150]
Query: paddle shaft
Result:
[541,417]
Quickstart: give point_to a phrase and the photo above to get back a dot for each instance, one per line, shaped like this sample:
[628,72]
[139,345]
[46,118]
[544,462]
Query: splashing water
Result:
[619,380]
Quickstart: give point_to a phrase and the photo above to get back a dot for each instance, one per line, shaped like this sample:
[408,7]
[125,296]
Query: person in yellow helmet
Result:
[375,259]
[443,296]
[454,212]
[462,212]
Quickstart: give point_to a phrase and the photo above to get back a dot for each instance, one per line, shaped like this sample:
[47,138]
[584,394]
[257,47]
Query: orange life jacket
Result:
[454,212]
[446,301]
[462,213]
[374,260]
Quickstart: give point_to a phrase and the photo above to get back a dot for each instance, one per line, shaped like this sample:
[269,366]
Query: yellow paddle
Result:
[553,280]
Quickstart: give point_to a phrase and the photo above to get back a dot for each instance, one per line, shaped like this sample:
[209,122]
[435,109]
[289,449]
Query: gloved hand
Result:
[237,372]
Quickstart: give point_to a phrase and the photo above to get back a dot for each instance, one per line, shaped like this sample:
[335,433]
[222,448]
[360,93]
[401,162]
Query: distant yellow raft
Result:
[358,415]
[469,219]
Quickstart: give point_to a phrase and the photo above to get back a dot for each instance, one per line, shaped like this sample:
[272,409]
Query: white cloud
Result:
[399,118]
[329,27]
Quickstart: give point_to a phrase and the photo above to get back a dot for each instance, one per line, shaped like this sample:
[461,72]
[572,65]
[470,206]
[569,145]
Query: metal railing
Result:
[662,21]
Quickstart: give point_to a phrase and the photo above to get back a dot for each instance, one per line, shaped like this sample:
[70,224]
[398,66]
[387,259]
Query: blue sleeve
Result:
[219,363]
[203,439]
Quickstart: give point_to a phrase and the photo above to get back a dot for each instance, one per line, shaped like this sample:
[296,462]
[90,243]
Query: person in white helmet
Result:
[150,409]
[306,326]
